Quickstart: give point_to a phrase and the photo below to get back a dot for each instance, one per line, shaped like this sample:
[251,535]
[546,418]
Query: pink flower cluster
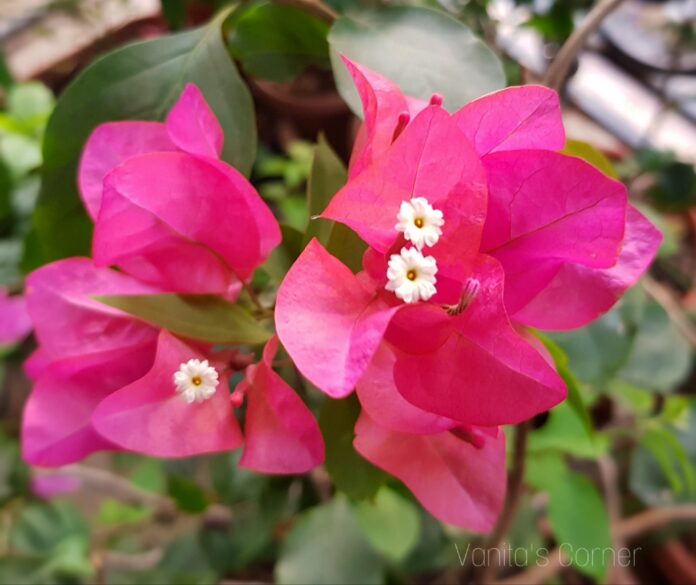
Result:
[521,236]
[477,229]
[174,218]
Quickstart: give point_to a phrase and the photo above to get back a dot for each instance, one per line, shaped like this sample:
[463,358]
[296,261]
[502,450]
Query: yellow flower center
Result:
[419,222]
[411,275]
[196,381]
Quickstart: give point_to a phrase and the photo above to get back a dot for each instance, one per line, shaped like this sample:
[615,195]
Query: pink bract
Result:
[457,482]
[167,210]
[280,433]
[15,323]
[87,350]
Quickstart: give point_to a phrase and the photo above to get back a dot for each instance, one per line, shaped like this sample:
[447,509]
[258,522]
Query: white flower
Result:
[412,275]
[420,223]
[196,381]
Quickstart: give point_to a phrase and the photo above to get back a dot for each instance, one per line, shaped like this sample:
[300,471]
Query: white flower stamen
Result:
[412,276]
[196,381]
[419,222]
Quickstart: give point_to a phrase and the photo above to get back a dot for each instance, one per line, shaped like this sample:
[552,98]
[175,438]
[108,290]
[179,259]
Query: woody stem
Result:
[512,503]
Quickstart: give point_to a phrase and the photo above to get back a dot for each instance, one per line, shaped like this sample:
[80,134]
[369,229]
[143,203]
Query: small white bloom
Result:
[196,381]
[412,275]
[420,223]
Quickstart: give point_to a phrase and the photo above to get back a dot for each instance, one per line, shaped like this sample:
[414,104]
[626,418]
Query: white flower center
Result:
[419,222]
[196,381]
[412,275]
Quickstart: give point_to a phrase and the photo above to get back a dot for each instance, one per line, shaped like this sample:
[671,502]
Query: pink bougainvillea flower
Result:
[511,222]
[280,433]
[181,407]
[167,210]
[86,351]
[459,475]
[15,323]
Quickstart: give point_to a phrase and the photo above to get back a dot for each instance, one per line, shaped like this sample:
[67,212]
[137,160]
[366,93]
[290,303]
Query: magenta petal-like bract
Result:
[56,427]
[515,118]
[15,323]
[280,433]
[148,416]
[546,209]
[70,323]
[110,145]
[383,103]
[485,374]
[181,223]
[456,482]
[192,125]
[329,323]
[430,159]
[382,401]
[578,294]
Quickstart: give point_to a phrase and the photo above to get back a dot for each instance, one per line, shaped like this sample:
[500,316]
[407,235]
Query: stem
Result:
[512,503]
[558,71]
[314,7]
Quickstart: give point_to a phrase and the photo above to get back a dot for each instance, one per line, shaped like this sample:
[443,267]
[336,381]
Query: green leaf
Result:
[327,176]
[350,473]
[390,522]
[187,494]
[278,43]
[590,154]
[423,51]
[544,469]
[30,104]
[202,317]
[327,547]
[580,523]
[663,468]
[575,399]
[140,81]
[660,357]
[564,431]
[57,535]
[283,257]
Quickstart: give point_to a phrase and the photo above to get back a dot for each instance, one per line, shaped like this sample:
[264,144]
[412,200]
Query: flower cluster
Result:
[173,218]
[518,234]
[476,228]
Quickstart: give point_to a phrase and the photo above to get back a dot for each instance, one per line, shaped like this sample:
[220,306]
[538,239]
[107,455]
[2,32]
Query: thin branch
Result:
[315,7]
[512,503]
[103,481]
[626,529]
[558,71]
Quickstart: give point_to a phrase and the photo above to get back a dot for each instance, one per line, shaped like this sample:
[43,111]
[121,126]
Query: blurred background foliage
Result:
[624,442]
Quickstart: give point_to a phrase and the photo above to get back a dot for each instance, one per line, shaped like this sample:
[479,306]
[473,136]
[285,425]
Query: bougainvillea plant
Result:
[477,230]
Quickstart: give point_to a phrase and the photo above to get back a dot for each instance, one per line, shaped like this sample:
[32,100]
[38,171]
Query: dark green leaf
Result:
[278,43]
[137,82]
[423,51]
[327,547]
[580,524]
[328,175]
[187,494]
[349,471]
[202,317]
